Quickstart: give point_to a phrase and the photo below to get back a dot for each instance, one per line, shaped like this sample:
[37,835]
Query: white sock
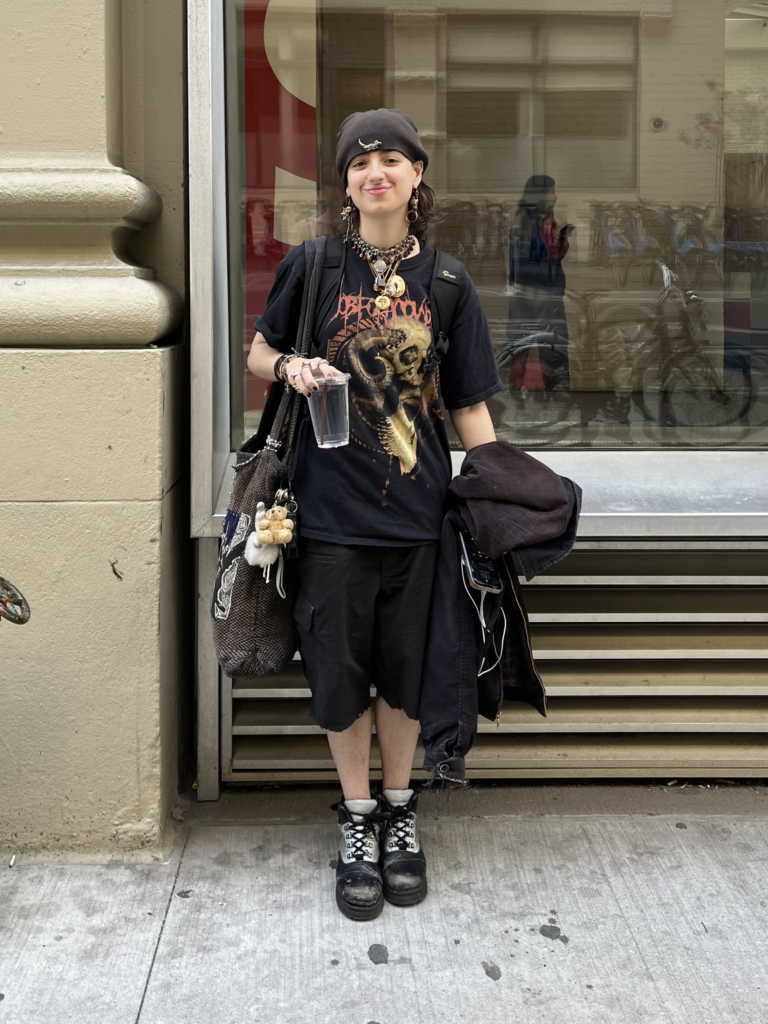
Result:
[397,797]
[359,807]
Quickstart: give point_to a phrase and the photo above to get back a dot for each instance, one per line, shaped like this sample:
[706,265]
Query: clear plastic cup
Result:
[329,409]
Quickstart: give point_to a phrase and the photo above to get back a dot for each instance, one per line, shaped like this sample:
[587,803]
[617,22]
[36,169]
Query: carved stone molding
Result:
[66,277]
[67,194]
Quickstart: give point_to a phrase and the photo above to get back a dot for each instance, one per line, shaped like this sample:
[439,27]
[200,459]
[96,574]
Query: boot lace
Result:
[401,828]
[359,838]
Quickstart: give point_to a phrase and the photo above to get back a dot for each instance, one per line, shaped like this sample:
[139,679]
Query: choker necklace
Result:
[383,264]
[372,252]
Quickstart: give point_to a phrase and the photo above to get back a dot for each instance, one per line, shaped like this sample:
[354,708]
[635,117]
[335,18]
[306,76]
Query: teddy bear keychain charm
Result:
[272,528]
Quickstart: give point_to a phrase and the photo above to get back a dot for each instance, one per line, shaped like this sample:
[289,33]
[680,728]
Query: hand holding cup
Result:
[300,373]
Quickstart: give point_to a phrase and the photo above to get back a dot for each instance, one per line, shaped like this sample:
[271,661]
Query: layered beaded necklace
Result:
[383,264]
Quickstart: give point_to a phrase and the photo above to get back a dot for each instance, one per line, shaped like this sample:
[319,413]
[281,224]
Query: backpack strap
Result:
[334,249]
[447,278]
[330,282]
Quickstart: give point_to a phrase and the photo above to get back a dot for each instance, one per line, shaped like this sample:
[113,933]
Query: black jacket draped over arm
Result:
[508,502]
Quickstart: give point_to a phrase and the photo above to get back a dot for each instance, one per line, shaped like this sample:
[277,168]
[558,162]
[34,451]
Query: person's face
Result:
[381,183]
[547,203]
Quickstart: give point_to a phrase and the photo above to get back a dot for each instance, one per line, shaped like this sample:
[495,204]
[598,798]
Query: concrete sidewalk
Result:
[638,904]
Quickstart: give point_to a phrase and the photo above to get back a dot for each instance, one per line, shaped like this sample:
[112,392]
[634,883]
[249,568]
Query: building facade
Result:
[599,167]
[94,466]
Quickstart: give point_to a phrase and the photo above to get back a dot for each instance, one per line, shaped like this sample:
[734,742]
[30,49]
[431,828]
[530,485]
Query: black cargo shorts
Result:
[362,616]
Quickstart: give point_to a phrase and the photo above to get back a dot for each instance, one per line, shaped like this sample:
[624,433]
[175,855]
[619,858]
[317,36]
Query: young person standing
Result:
[537,248]
[370,513]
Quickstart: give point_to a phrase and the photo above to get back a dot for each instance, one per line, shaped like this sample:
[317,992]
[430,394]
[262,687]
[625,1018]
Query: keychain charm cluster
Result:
[387,282]
[273,530]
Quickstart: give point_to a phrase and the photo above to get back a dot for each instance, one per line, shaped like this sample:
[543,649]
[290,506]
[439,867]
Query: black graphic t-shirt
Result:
[388,485]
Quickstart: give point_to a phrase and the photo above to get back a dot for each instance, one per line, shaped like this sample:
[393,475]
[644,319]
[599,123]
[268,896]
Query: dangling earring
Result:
[346,214]
[413,214]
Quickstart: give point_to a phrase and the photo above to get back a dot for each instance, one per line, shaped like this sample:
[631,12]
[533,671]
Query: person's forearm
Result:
[473,425]
[295,370]
[262,358]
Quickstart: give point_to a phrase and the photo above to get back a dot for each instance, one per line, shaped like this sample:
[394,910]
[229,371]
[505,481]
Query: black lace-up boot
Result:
[403,864]
[359,891]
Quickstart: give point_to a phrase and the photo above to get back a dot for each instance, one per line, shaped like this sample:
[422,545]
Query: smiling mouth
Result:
[377,191]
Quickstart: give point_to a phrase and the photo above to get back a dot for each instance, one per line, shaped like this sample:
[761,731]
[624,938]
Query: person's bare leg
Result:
[398,735]
[351,751]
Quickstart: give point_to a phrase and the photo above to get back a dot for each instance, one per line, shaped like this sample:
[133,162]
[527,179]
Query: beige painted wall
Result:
[93,504]
[93,518]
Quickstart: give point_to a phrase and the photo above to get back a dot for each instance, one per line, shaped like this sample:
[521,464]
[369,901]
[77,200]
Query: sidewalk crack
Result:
[162,929]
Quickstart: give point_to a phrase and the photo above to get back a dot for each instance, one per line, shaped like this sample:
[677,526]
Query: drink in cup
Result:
[329,409]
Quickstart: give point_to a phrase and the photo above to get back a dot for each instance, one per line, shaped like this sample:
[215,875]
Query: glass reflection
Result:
[535,362]
[604,178]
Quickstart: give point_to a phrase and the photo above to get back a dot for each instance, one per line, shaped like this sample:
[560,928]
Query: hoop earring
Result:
[413,213]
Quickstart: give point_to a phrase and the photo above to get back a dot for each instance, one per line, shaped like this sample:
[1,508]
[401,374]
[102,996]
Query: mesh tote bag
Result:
[253,626]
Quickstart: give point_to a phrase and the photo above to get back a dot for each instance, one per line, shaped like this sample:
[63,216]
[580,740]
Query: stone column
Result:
[93,514]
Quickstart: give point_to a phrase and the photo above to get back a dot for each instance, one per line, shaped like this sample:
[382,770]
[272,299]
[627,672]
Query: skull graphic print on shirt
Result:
[392,395]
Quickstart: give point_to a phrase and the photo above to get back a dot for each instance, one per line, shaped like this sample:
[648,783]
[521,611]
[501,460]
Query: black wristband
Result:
[275,373]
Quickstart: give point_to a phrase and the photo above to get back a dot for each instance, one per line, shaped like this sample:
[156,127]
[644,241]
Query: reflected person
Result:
[537,248]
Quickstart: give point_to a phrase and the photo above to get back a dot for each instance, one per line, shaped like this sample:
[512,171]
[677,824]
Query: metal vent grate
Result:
[655,659]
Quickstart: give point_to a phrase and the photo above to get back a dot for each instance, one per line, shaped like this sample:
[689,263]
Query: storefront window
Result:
[603,176]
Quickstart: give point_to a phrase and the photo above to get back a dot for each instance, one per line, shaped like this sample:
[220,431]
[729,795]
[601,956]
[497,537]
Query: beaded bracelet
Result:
[278,370]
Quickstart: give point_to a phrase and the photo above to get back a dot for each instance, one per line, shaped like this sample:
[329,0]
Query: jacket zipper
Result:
[527,640]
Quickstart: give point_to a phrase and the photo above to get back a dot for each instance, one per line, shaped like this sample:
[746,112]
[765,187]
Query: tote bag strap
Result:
[304,339]
[314,250]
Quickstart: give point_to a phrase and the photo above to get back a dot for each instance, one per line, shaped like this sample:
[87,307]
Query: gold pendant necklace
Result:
[386,281]
[396,286]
